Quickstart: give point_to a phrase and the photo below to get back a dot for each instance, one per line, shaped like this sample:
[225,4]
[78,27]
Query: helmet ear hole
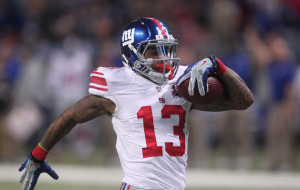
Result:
[124,52]
[142,49]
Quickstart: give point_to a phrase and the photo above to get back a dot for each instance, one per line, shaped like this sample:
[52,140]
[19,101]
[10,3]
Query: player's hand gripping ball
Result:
[199,83]
[215,91]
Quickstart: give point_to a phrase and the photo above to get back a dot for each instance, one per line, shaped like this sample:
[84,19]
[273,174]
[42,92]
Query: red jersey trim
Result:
[98,80]
[97,88]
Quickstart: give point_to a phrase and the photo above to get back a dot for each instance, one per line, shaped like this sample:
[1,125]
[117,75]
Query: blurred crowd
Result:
[48,48]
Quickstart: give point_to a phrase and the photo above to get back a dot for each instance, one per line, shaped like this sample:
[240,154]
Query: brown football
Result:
[215,91]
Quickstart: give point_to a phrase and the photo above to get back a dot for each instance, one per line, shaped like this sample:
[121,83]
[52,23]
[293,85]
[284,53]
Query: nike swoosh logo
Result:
[31,165]
[203,63]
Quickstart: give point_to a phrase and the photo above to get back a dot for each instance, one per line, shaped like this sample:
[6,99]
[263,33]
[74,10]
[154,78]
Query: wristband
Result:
[40,152]
[221,67]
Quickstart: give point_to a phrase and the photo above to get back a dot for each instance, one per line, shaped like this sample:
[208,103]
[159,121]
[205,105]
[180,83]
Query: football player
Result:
[148,115]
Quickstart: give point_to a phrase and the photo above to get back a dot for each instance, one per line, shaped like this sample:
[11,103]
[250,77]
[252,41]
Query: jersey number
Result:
[152,150]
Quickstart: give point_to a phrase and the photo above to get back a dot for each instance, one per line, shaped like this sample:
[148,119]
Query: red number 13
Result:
[152,150]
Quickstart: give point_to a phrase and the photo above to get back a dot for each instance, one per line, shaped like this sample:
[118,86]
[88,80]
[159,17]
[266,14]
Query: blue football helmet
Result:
[151,36]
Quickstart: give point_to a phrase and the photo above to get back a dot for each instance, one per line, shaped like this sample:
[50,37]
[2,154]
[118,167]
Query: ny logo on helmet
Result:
[128,37]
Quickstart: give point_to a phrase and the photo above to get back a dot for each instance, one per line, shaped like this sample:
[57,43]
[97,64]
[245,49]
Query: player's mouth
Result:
[160,68]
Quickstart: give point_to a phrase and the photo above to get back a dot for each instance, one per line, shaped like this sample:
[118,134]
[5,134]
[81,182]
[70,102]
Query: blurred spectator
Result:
[67,77]
[259,57]
[281,122]
[275,98]
[10,62]
[67,73]
[10,68]
[28,97]
[235,127]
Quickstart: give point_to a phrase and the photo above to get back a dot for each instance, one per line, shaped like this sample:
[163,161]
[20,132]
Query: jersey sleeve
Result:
[98,85]
[109,81]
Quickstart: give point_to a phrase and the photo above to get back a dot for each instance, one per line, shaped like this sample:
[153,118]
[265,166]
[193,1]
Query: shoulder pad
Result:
[108,81]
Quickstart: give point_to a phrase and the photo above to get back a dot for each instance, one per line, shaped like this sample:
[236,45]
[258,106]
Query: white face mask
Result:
[157,60]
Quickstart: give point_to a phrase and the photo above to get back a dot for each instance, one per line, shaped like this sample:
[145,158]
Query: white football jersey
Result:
[151,127]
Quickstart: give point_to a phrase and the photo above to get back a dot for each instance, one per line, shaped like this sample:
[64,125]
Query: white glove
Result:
[200,71]
[33,171]
[30,168]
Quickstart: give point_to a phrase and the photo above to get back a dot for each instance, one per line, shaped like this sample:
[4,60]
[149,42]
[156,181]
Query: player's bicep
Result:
[92,106]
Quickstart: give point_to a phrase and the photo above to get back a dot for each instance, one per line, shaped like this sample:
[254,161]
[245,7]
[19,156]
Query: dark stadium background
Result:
[48,48]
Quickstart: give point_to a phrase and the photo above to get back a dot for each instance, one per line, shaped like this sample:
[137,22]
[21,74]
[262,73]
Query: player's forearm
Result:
[84,110]
[58,129]
[239,95]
